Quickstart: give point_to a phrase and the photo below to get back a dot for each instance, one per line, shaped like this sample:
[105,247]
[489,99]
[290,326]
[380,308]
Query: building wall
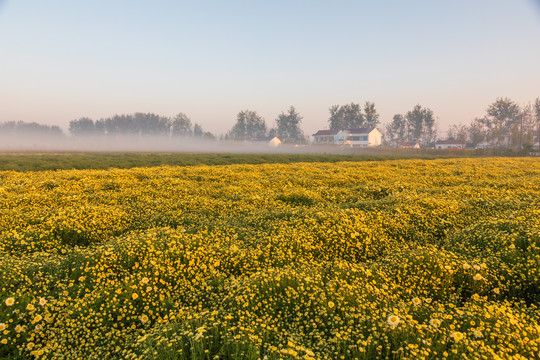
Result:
[375,138]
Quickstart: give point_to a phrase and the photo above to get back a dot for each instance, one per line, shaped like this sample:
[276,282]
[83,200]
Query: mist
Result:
[14,143]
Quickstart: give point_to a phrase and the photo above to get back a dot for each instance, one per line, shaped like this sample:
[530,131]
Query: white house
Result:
[330,137]
[274,142]
[364,137]
[268,140]
[449,144]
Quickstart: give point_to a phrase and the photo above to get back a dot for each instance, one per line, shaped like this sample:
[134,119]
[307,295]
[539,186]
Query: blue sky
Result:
[61,60]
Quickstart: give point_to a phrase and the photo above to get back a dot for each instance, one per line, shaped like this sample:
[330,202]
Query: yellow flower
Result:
[2,326]
[393,320]
[478,334]
[144,318]
[496,291]
[416,301]
[145,280]
[457,336]
[42,301]
[478,277]
[30,345]
[134,296]
[330,304]
[19,329]
[466,266]
[10,301]
[435,322]
[30,307]
[4,341]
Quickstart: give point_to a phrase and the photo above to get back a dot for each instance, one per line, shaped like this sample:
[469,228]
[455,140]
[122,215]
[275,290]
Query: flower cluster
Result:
[401,259]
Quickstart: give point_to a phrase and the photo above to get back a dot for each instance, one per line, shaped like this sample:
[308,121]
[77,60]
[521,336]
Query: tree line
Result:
[29,128]
[138,124]
[505,124]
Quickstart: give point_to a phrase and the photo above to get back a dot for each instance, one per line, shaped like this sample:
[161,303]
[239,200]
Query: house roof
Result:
[326,132]
[360,130]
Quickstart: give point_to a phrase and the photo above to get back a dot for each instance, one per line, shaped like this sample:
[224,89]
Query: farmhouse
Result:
[268,140]
[361,137]
[364,137]
[449,144]
[330,137]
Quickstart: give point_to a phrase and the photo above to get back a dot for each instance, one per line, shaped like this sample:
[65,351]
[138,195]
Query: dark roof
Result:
[360,130]
[326,132]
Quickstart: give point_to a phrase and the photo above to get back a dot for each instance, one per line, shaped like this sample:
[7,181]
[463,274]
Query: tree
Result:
[288,126]
[181,125]
[458,132]
[198,130]
[82,126]
[396,130]
[477,131]
[502,117]
[346,117]
[421,125]
[537,113]
[249,125]
[371,115]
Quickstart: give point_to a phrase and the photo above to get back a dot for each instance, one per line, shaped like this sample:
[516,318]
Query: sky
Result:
[62,60]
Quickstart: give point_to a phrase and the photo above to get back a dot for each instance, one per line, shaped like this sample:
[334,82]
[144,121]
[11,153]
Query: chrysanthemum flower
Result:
[457,336]
[393,320]
[330,304]
[10,301]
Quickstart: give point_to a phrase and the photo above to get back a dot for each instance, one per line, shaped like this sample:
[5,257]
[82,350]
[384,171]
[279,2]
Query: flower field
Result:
[401,259]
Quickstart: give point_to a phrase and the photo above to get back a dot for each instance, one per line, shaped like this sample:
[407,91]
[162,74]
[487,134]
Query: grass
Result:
[102,161]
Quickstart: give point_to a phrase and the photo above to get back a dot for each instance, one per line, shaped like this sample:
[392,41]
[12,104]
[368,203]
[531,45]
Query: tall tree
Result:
[371,115]
[396,130]
[458,132]
[198,130]
[249,125]
[502,117]
[288,126]
[347,116]
[537,113]
[181,125]
[82,126]
[477,131]
[421,125]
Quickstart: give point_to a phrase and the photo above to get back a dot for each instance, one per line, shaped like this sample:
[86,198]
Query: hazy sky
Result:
[64,59]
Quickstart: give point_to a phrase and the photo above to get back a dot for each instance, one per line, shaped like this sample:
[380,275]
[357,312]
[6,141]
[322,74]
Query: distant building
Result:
[270,141]
[362,137]
[329,137]
[449,144]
